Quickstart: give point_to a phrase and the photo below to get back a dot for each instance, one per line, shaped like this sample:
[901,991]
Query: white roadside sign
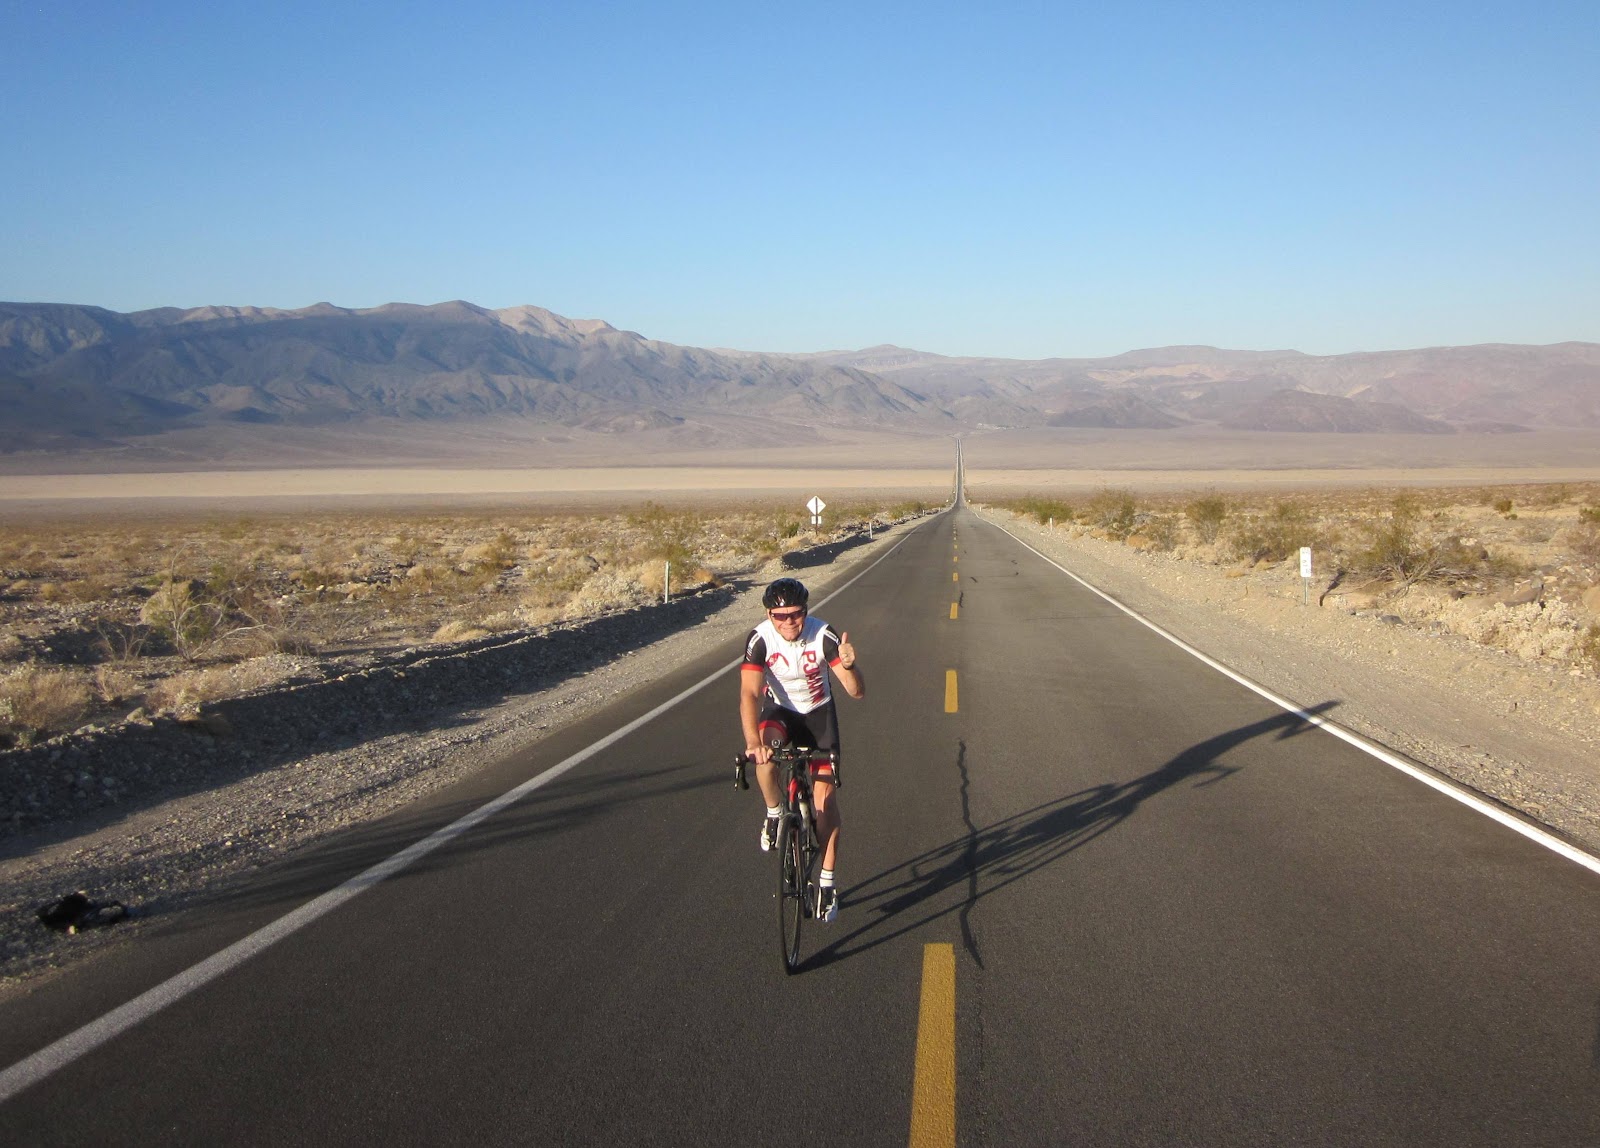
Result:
[816,505]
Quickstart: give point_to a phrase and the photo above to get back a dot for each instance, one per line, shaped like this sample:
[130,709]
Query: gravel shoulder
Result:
[1523,733]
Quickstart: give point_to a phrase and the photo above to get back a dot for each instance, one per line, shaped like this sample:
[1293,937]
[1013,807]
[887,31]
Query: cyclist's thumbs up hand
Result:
[847,652]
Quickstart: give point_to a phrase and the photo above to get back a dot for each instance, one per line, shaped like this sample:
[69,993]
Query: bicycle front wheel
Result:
[791,888]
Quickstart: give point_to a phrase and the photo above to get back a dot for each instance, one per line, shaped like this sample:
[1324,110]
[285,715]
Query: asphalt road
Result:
[1178,915]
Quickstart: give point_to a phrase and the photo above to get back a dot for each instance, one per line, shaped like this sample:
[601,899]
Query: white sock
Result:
[825,878]
[774,811]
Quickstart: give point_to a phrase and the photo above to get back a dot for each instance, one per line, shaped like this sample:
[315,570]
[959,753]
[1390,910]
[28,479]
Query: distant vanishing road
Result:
[1164,910]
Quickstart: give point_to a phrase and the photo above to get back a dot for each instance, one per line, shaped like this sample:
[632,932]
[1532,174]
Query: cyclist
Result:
[784,697]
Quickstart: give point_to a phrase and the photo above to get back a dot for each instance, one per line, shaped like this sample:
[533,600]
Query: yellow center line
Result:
[949,691]
[933,1090]
[953,611]
[955,576]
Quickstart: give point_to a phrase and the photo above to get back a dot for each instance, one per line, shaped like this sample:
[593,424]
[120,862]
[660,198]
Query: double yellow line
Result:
[933,1089]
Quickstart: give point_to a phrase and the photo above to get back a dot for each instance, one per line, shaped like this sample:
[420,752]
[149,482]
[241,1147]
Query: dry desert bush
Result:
[1517,568]
[100,618]
[35,700]
[184,692]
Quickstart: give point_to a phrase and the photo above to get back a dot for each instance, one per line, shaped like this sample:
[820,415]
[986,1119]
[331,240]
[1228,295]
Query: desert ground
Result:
[559,467]
[566,471]
[1011,463]
[707,441]
[403,486]
[107,617]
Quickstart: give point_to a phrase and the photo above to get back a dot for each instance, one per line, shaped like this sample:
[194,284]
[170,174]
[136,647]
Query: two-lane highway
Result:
[1176,912]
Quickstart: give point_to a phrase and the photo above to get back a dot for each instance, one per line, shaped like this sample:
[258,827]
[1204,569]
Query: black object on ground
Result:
[76,911]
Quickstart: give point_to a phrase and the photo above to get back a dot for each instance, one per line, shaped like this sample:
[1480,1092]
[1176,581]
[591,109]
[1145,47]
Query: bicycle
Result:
[799,851]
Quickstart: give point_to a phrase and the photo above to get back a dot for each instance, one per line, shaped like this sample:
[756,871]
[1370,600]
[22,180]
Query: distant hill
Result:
[76,376]
[1305,411]
[1121,411]
[72,373]
[1497,386]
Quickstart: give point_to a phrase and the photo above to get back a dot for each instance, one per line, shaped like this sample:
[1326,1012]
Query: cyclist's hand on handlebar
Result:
[758,753]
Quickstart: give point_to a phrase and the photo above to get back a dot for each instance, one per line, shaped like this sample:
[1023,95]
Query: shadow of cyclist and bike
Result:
[986,859]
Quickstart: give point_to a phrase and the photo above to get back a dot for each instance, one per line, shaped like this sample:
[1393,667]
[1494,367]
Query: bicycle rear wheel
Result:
[791,888]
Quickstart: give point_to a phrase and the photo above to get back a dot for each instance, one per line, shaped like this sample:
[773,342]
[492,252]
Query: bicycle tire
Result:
[791,889]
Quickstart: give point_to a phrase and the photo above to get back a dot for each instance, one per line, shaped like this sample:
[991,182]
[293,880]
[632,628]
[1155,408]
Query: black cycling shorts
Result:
[815,730]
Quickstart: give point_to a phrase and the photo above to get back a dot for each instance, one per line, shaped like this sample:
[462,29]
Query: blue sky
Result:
[1015,179]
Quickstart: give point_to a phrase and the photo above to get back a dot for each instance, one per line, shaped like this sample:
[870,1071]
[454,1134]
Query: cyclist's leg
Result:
[776,727]
[824,731]
[826,799]
[825,802]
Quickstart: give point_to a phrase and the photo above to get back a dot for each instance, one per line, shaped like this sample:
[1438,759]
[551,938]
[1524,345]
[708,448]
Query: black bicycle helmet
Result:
[785,592]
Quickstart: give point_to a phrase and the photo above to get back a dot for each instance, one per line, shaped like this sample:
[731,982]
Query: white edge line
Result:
[57,1055]
[1449,789]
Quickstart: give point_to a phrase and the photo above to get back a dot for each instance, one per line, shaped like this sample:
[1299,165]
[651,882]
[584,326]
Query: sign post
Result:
[1305,574]
[816,506]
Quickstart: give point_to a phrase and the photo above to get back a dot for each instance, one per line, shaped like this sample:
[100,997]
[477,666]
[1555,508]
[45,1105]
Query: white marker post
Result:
[816,506]
[1305,574]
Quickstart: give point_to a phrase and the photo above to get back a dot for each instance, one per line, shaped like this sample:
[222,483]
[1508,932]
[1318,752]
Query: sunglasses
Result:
[786,615]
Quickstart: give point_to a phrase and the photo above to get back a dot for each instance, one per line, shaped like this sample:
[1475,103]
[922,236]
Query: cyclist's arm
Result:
[841,657]
[751,680]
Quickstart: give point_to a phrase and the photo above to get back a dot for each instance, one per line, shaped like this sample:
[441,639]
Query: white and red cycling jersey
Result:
[796,672]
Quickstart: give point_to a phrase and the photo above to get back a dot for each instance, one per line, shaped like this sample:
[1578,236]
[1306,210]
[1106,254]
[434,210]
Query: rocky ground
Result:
[1515,726]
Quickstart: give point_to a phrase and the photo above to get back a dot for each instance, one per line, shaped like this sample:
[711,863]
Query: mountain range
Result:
[78,376]
[1487,388]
